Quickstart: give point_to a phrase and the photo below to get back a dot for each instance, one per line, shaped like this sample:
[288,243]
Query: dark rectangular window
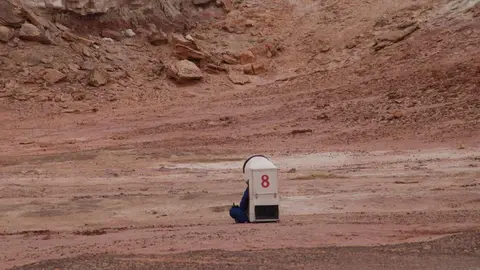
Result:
[266,212]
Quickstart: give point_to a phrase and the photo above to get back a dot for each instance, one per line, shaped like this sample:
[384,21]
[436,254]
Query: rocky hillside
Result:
[48,56]
[223,73]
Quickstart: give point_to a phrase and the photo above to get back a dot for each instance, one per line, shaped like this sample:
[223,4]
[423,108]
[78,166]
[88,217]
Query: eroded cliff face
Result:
[90,15]
[85,7]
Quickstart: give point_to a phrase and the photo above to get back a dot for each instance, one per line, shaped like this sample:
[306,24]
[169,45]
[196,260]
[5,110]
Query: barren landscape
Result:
[124,151]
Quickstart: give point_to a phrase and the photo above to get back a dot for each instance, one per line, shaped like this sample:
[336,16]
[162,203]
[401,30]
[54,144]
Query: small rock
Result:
[248,69]
[246,57]
[158,38]
[106,33]
[129,33]
[62,27]
[199,36]
[184,52]
[176,38]
[106,39]
[87,65]
[215,69]
[152,27]
[397,115]
[393,36]
[351,44]
[322,116]
[53,76]
[258,68]
[201,2]
[184,70]
[227,5]
[108,67]
[5,33]
[249,23]
[86,52]
[97,77]
[112,50]
[406,24]
[301,131]
[47,59]
[189,37]
[238,78]
[293,170]
[78,96]
[229,60]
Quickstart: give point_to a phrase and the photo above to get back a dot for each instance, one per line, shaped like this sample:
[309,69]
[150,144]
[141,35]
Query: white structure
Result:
[262,177]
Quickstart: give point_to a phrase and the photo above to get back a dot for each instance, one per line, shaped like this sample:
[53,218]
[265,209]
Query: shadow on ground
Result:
[461,251]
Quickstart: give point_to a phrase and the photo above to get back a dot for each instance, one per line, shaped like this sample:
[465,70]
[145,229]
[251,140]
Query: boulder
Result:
[5,33]
[8,15]
[184,52]
[184,71]
[30,32]
[106,33]
[238,78]
[97,77]
[52,76]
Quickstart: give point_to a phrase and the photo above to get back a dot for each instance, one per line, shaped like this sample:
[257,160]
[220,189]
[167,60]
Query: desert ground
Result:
[112,159]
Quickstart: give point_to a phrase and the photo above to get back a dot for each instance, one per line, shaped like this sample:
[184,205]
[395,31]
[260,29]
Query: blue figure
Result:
[240,213]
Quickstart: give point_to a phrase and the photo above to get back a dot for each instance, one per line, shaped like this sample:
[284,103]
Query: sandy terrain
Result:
[168,205]
[454,252]
[371,110]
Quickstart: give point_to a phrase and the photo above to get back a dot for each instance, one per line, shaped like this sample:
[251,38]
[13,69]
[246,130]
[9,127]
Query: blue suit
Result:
[240,213]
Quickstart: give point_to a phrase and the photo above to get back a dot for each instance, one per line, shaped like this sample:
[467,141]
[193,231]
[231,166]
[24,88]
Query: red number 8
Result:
[265,183]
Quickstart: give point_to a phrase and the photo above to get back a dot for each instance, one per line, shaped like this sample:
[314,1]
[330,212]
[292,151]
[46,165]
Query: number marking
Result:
[265,182]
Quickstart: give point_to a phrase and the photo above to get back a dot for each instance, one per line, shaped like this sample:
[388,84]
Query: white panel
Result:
[262,177]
